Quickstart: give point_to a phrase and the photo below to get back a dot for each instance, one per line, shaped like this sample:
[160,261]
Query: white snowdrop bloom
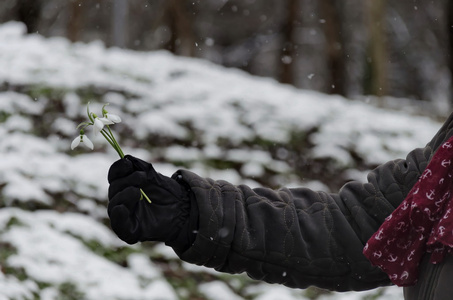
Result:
[99,124]
[113,118]
[82,139]
[106,121]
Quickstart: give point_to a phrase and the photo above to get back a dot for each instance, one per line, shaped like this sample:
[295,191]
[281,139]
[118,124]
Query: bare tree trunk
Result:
[29,13]
[377,48]
[75,20]
[335,56]
[182,40]
[287,51]
[120,21]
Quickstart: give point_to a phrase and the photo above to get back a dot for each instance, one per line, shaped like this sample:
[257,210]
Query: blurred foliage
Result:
[69,291]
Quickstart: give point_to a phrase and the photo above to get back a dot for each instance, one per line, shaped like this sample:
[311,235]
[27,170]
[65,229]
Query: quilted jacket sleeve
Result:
[299,237]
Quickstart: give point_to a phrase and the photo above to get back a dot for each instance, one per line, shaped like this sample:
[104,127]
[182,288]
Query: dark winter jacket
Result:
[298,237]
[434,281]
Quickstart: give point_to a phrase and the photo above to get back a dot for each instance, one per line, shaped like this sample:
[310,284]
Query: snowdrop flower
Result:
[110,117]
[113,118]
[82,139]
[99,123]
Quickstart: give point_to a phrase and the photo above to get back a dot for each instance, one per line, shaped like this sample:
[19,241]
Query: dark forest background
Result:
[348,47]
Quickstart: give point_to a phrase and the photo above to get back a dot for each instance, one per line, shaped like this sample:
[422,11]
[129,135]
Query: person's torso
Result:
[435,282]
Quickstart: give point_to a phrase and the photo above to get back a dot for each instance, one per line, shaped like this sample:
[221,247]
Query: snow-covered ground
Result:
[53,237]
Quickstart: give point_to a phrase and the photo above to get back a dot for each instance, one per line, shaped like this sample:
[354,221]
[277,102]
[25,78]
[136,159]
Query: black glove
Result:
[165,219]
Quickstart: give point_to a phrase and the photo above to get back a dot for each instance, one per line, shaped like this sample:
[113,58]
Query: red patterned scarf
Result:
[422,223]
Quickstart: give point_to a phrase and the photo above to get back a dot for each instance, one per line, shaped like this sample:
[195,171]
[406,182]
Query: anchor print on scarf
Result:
[421,223]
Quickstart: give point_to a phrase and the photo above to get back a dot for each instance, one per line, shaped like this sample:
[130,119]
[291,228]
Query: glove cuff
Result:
[187,224]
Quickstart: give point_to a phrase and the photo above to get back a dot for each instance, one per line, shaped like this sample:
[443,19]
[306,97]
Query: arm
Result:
[295,237]
[299,237]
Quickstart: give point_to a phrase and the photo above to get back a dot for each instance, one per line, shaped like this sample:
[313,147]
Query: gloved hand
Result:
[166,219]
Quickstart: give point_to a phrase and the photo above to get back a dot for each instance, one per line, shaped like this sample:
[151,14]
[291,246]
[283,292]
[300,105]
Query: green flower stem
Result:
[112,141]
[120,152]
[143,195]
[114,146]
